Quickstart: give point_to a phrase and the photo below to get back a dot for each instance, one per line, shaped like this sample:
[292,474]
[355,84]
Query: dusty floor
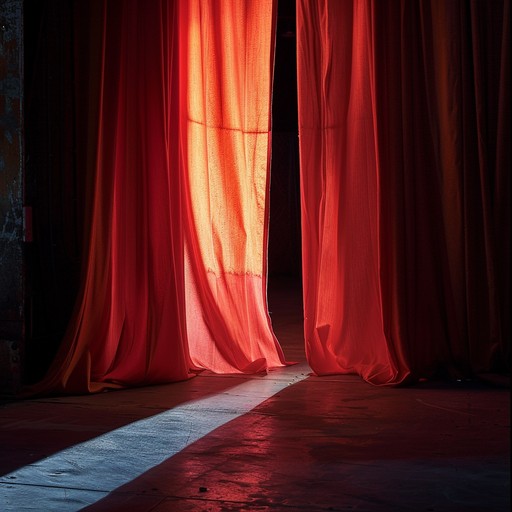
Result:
[286,441]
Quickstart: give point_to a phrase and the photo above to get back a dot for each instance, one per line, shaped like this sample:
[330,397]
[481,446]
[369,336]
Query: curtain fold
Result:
[405,187]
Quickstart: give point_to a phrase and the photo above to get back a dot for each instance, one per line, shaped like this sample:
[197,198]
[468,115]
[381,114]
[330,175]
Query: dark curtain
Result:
[404,124]
[62,48]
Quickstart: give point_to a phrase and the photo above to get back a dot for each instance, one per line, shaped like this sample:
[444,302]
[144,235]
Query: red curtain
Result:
[404,127]
[404,122]
[174,279]
[225,135]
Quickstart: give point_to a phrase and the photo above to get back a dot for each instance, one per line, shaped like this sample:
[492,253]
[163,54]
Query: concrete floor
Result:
[286,441]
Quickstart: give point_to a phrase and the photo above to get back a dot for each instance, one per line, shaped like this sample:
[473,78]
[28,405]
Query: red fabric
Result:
[227,66]
[174,278]
[405,186]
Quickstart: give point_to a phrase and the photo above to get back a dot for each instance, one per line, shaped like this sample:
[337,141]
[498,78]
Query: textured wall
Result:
[11,194]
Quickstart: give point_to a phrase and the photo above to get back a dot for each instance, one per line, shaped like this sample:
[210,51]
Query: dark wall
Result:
[11,195]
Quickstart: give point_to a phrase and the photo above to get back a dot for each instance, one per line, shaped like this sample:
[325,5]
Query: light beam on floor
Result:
[87,472]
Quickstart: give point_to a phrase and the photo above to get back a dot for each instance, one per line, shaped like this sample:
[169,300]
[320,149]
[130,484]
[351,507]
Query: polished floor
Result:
[285,441]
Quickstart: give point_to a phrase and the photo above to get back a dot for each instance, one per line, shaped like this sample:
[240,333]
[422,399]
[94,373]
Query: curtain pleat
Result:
[405,179]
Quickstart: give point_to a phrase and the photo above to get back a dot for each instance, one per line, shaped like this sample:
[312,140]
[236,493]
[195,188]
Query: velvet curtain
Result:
[174,275]
[404,122]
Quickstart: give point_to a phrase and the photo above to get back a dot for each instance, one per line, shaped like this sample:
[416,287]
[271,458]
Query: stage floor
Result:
[283,441]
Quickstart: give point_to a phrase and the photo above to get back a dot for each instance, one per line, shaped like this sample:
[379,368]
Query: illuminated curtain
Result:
[227,63]
[174,274]
[405,168]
